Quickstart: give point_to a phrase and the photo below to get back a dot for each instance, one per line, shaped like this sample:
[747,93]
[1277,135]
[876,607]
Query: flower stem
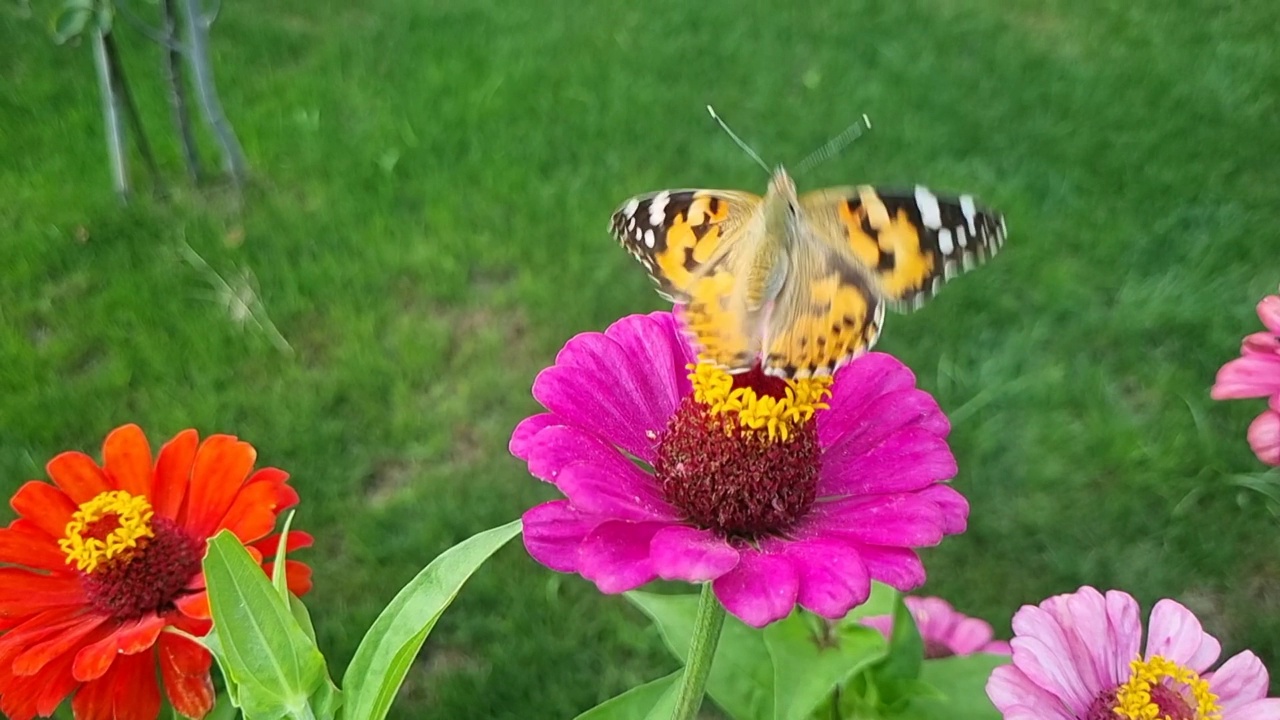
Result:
[702,650]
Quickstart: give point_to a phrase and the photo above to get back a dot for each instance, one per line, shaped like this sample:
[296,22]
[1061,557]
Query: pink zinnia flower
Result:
[944,631]
[777,492]
[1256,373]
[1076,657]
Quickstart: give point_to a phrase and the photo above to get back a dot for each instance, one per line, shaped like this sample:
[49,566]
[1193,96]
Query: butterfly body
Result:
[799,283]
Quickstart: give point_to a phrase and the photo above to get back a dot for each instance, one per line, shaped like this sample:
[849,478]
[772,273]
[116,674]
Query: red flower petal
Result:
[195,605]
[24,543]
[93,701]
[78,476]
[270,544]
[94,660]
[297,576]
[45,505]
[38,655]
[23,592]
[173,471]
[36,628]
[126,455]
[184,665]
[137,694]
[24,697]
[253,513]
[222,464]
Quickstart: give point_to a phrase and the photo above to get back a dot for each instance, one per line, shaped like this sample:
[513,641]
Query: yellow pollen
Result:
[1133,698]
[771,417]
[107,527]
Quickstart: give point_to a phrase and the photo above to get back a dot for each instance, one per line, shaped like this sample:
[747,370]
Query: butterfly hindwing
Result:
[678,234]
[910,241]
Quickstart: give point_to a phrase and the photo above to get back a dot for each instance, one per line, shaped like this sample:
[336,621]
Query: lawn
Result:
[427,227]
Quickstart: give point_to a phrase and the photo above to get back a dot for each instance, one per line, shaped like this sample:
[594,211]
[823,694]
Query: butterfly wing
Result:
[911,242]
[827,313]
[698,246]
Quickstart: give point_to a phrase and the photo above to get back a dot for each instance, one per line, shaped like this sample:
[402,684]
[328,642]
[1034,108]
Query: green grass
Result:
[427,229]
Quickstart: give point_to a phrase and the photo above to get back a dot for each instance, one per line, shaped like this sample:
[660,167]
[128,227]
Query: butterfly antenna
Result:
[835,145]
[746,148]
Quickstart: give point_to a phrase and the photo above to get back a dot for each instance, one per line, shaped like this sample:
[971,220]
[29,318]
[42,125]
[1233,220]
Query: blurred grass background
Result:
[427,227]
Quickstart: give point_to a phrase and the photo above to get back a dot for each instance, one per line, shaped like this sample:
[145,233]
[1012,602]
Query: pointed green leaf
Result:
[808,669]
[654,700]
[741,680]
[276,666]
[957,689]
[387,650]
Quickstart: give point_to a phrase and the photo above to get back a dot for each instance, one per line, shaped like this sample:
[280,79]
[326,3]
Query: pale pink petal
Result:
[1260,343]
[911,459]
[615,555]
[1268,709]
[1017,697]
[1240,680]
[522,436]
[881,623]
[684,553]
[1250,376]
[1042,649]
[833,578]
[1123,638]
[761,589]
[1264,436]
[934,617]
[969,635]
[554,531]
[1174,633]
[997,647]
[1269,313]
[904,520]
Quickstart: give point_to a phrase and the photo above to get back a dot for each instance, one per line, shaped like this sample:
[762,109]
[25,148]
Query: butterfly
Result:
[799,283]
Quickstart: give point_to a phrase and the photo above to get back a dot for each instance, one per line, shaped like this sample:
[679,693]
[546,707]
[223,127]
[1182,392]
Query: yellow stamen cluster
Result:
[1133,699]
[90,538]
[774,418]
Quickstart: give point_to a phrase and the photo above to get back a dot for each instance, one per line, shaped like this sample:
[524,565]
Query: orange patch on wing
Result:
[863,245]
[683,242]
[713,323]
[833,327]
[912,265]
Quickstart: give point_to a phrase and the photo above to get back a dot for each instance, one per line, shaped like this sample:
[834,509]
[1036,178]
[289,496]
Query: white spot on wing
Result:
[658,208]
[630,209]
[927,203]
[945,244]
[648,238]
[970,213]
[962,237]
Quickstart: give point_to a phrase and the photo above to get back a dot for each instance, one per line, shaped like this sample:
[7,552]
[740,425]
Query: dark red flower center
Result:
[148,578]
[742,482]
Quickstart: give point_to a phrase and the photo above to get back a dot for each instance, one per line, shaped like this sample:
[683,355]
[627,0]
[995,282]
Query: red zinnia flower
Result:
[99,563]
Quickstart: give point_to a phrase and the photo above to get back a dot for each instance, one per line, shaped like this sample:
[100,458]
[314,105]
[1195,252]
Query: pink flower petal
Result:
[1264,436]
[935,618]
[953,506]
[522,436]
[1250,376]
[1042,650]
[869,423]
[620,384]
[833,578]
[903,520]
[1087,635]
[911,459]
[615,555]
[969,635]
[560,445]
[1268,709]
[1174,633]
[684,553]
[1019,698]
[1241,680]
[553,533]
[899,568]
[761,589]
[1269,313]
[1260,343]
[620,490]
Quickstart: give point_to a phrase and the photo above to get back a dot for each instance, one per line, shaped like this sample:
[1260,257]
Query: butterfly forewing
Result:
[678,234]
[910,241]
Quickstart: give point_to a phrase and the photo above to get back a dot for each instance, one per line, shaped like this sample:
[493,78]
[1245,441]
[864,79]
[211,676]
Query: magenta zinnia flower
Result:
[777,492]
[1256,373]
[1076,657]
[944,631]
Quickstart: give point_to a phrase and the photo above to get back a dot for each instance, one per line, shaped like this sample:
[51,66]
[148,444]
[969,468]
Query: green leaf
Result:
[70,20]
[387,650]
[906,647]
[958,689]
[223,709]
[267,653]
[279,579]
[741,680]
[807,669]
[654,700]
